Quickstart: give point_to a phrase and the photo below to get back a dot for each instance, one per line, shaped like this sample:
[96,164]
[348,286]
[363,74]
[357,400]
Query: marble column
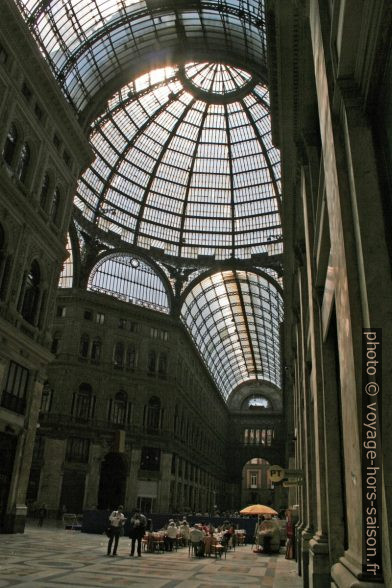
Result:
[164,485]
[132,481]
[93,477]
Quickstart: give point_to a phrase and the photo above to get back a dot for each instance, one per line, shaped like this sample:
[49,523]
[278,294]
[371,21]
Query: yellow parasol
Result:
[258,509]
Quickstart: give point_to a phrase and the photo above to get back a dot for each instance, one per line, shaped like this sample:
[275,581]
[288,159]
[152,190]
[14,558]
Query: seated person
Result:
[196,537]
[184,532]
[171,536]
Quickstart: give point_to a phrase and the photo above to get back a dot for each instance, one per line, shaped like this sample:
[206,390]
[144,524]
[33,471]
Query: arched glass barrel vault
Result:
[234,318]
[184,170]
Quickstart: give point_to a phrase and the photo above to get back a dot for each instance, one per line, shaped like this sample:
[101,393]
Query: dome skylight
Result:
[187,176]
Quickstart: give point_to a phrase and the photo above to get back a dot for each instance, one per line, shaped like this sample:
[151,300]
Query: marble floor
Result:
[56,558]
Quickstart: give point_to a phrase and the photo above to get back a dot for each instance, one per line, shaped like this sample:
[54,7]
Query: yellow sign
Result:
[276,473]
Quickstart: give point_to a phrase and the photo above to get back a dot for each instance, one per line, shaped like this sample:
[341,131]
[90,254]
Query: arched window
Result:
[257,402]
[130,279]
[10,145]
[83,402]
[118,409]
[151,361]
[23,165]
[55,206]
[153,413]
[30,293]
[96,348]
[84,345]
[131,357]
[118,355]
[44,191]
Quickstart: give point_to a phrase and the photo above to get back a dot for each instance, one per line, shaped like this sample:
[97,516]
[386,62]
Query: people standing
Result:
[116,522]
[138,526]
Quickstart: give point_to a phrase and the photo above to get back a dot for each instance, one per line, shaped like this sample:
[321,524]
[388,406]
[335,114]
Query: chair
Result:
[193,547]
[218,549]
[158,542]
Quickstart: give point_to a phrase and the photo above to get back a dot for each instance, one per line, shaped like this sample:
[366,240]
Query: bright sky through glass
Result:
[185,175]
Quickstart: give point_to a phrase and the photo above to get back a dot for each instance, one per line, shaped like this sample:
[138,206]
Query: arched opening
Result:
[257,487]
[130,279]
[112,481]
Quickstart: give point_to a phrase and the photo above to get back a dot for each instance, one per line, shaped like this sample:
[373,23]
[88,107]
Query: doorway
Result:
[112,483]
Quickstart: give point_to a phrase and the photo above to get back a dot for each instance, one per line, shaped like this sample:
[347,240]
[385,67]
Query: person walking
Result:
[116,522]
[138,524]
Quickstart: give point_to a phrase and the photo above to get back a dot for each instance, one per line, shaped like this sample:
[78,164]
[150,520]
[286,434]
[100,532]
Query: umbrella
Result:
[258,509]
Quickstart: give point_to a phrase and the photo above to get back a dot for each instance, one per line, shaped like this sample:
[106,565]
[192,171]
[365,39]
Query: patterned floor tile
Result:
[54,558]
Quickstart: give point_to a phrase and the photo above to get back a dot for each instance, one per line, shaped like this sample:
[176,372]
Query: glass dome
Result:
[184,163]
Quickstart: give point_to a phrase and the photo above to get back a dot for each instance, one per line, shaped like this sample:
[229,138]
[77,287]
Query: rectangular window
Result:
[133,327]
[78,450]
[122,323]
[164,335]
[100,318]
[14,394]
[88,315]
[154,333]
[46,398]
[61,311]
[253,480]
[150,459]
[38,450]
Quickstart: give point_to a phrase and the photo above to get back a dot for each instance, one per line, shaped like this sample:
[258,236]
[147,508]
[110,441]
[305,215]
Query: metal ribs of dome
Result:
[89,43]
[189,177]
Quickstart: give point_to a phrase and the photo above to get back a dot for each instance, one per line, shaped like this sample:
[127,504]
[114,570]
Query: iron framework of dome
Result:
[190,173]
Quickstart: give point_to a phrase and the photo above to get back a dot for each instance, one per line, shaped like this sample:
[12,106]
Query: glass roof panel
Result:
[89,43]
[234,318]
[186,174]
[130,279]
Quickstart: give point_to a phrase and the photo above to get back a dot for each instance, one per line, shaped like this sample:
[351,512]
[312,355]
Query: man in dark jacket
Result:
[138,526]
